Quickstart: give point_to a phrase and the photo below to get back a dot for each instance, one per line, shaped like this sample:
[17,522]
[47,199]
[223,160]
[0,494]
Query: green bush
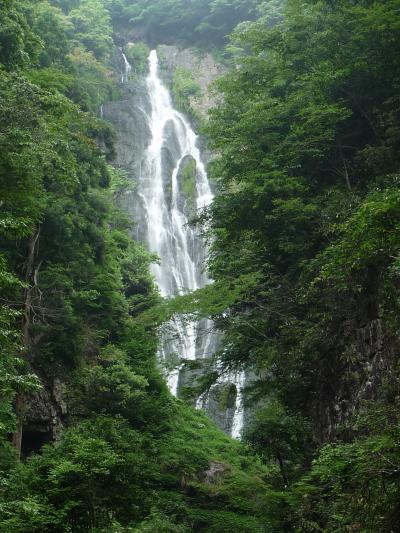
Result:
[137,55]
[184,87]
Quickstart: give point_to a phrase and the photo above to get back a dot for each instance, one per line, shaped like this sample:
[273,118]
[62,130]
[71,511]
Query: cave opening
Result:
[33,440]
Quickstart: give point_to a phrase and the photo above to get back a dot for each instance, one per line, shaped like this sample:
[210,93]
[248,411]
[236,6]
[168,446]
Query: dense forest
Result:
[304,244]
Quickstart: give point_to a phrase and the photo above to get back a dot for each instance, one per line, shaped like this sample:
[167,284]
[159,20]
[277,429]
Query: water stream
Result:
[127,68]
[171,186]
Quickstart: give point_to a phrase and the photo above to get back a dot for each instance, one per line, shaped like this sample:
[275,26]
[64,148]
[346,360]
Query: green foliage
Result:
[281,436]
[80,309]
[92,27]
[51,79]
[18,44]
[367,239]
[110,386]
[33,153]
[76,46]
[158,521]
[306,171]
[205,23]
[15,377]
[53,27]
[80,476]
[137,55]
[355,485]
[304,250]
[51,177]
[184,87]
[298,139]
[92,84]
[103,473]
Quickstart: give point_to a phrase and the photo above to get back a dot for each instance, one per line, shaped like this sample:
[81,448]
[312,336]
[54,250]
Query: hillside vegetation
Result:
[128,456]
[304,238]
[307,207]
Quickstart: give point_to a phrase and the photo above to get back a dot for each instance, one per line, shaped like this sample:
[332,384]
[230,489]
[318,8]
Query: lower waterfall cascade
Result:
[165,202]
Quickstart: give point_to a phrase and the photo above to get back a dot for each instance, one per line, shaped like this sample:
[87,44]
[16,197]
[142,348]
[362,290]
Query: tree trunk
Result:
[17,435]
[30,277]
[282,469]
[346,172]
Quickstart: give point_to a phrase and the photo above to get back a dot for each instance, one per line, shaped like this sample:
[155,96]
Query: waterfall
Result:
[172,185]
[127,68]
[238,417]
[168,232]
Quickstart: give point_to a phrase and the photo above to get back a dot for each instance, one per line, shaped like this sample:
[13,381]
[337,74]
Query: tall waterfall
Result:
[165,205]
[172,185]
[168,233]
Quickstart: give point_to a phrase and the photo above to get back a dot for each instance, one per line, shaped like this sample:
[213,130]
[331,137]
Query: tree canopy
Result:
[126,454]
[303,249]
[306,137]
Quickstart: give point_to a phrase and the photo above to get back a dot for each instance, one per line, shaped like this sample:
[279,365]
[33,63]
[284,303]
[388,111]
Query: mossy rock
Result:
[221,405]
[187,182]
[137,55]
[227,396]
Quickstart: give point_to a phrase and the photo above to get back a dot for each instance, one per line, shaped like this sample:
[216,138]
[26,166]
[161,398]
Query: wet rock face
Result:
[188,375]
[353,376]
[215,473]
[204,68]
[187,185]
[129,118]
[221,405]
[173,160]
[44,419]
[170,151]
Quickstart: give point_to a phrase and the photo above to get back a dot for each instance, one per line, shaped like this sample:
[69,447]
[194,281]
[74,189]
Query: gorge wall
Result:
[342,386]
[159,151]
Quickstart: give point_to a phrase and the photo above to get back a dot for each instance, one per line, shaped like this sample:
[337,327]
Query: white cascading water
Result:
[238,418]
[127,68]
[168,233]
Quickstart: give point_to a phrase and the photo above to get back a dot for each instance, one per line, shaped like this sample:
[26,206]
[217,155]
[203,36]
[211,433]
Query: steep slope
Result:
[79,369]
[304,248]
